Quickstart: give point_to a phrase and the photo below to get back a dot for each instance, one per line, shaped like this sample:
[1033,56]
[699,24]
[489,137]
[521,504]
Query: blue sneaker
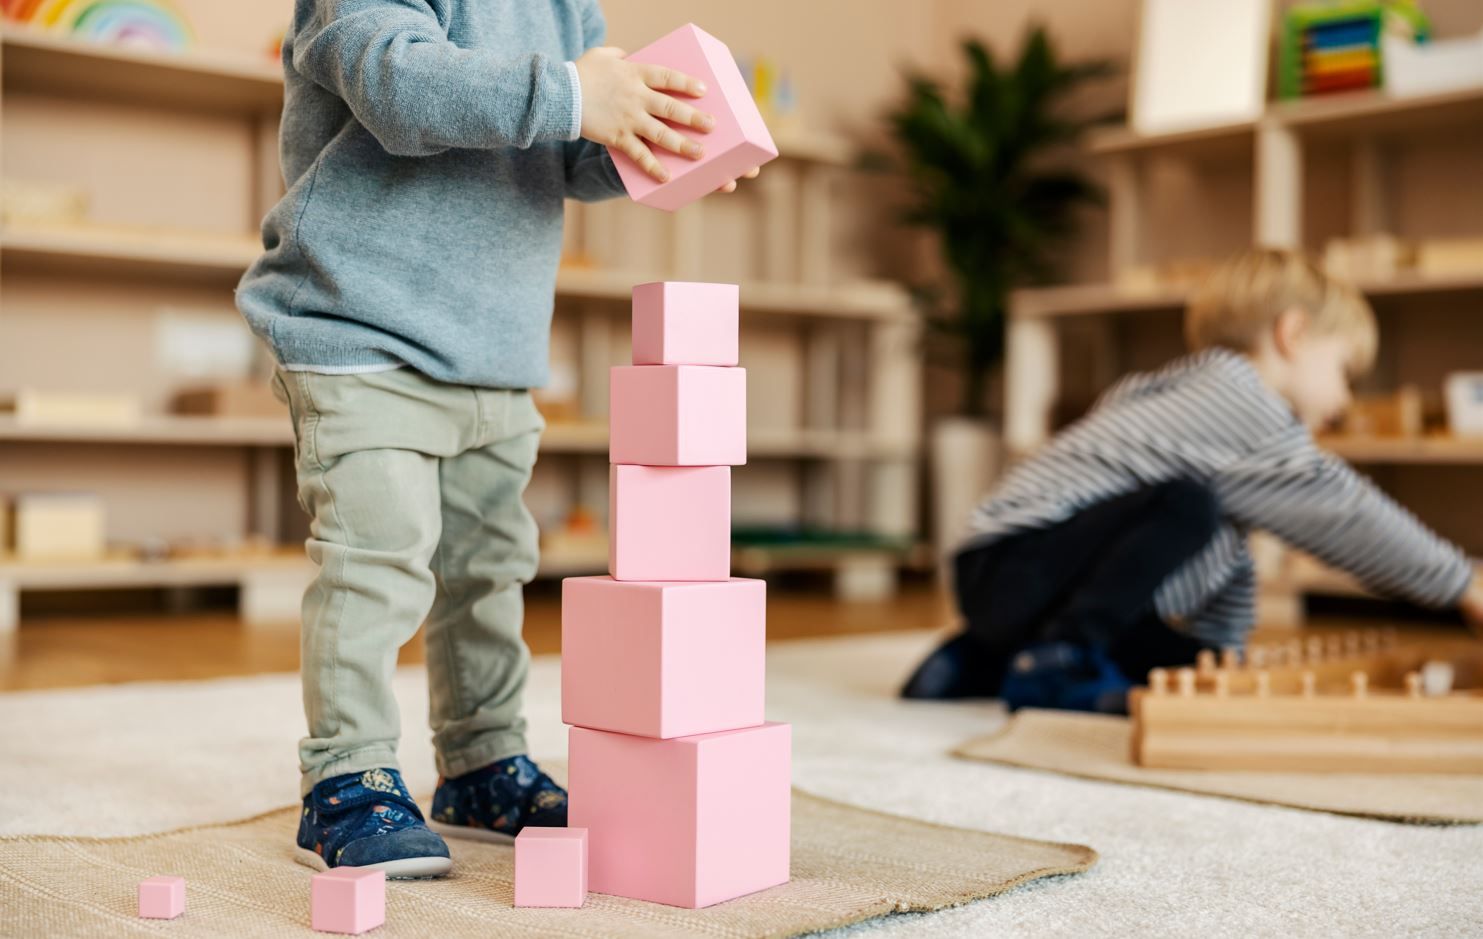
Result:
[370,820]
[494,803]
[1067,677]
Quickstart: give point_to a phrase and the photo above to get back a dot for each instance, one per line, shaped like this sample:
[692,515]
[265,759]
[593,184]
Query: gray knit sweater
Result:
[427,146]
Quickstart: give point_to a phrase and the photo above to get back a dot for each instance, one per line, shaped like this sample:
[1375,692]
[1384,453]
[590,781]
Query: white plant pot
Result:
[966,456]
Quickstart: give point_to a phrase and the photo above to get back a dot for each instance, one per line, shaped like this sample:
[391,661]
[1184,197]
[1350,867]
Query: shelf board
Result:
[1092,299]
[1359,113]
[874,301]
[1377,113]
[1406,450]
[119,251]
[48,63]
[560,437]
[159,429]
[129,571]
[1222,141]
[197,256]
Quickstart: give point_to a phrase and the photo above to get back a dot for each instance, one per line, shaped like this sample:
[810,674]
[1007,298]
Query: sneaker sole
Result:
[407,868]
[466,833]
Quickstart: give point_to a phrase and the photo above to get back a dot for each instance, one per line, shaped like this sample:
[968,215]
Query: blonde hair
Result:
[1241,300]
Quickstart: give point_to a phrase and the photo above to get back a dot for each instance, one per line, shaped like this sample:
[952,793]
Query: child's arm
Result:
[1317,502]
[419,94]
[590,173]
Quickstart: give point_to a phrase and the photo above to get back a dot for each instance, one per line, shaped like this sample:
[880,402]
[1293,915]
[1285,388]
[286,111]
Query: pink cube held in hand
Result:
[551,867]
[690,821]
[161,897]
[680,323]
[662,659]
[669,522]
[347,900]
[677,415]
[738,141]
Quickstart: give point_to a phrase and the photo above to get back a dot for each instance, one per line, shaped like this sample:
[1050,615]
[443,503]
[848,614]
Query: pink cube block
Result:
[677,415]
[688,822]
[678,323]
[348,900]
[738,141]
[669,522]
[162,897]
[551,867]
[662,659]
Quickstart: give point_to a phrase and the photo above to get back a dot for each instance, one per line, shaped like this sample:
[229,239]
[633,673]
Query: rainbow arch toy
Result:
[151,24]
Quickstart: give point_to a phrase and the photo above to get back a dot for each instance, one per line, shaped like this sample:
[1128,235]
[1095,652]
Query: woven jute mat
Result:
[1095,746]
[244,880]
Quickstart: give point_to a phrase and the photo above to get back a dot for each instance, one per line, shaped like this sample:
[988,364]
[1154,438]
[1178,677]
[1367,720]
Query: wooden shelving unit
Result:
[857,450]
[1278,149]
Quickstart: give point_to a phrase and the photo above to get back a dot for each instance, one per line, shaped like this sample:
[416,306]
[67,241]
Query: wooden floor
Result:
[57,651]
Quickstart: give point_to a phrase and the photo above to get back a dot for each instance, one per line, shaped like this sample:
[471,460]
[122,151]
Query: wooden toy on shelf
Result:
[1357,702]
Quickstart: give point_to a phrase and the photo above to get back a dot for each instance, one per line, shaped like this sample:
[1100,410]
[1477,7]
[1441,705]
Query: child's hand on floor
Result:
[622,103]
[1472,604]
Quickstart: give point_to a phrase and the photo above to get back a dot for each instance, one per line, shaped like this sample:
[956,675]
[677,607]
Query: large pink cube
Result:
[662,659]
[688,822]
[681,323]
[162,897]
[738,141]
[669,522]
[677,415]
[551,867]
[347,900]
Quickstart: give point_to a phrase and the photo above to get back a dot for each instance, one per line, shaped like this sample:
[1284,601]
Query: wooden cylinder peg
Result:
[1310,685]
[1314,650]
[1230,658]
[1222,684]
[1263,684]
[1359,684]
[1413,684]
[1205,662]
[1186,678]
[1158,681]
[1257,657]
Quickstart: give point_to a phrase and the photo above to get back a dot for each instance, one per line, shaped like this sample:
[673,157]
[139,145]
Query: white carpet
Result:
[139,758]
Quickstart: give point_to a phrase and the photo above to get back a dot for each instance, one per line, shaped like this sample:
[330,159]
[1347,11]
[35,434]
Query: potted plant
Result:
[986,174]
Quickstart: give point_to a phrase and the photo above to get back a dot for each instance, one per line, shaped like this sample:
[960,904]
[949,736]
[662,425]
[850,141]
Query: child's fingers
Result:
[728,186]
[751,173]
[663,135]
[632,147]
[677,112]
[662,78]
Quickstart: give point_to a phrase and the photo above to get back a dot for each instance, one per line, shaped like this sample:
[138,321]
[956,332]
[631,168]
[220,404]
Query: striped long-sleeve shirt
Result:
[1210,418]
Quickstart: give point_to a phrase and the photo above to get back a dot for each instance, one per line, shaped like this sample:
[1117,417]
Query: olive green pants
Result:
[414,491]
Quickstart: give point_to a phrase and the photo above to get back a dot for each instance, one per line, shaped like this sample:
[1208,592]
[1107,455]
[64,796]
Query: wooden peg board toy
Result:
[1358,702]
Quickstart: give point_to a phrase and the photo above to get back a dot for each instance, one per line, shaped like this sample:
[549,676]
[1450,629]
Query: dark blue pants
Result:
[1090,579]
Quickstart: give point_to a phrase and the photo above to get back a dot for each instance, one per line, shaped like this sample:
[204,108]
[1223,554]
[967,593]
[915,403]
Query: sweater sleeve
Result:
[1316,502]
[590,173]
[391,61]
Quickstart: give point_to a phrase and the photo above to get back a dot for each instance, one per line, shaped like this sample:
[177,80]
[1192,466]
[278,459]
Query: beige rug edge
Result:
[1255,788]
[928,879]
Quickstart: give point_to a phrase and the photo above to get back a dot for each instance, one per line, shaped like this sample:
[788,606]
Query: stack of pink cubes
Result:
[682,786]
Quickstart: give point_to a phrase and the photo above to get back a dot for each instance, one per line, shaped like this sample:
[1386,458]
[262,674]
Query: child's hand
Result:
[731,186]
[1472,604]
[622,103]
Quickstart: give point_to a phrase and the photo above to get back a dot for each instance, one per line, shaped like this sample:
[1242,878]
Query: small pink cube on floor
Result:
[677,415]
[162,897]
[347,900]
[669,522]
[551,867]
[662,659]
[681,323]
[738,141]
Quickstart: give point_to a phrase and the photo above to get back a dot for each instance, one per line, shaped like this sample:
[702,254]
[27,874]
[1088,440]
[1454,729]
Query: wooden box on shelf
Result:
[56,526]
[238,399]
